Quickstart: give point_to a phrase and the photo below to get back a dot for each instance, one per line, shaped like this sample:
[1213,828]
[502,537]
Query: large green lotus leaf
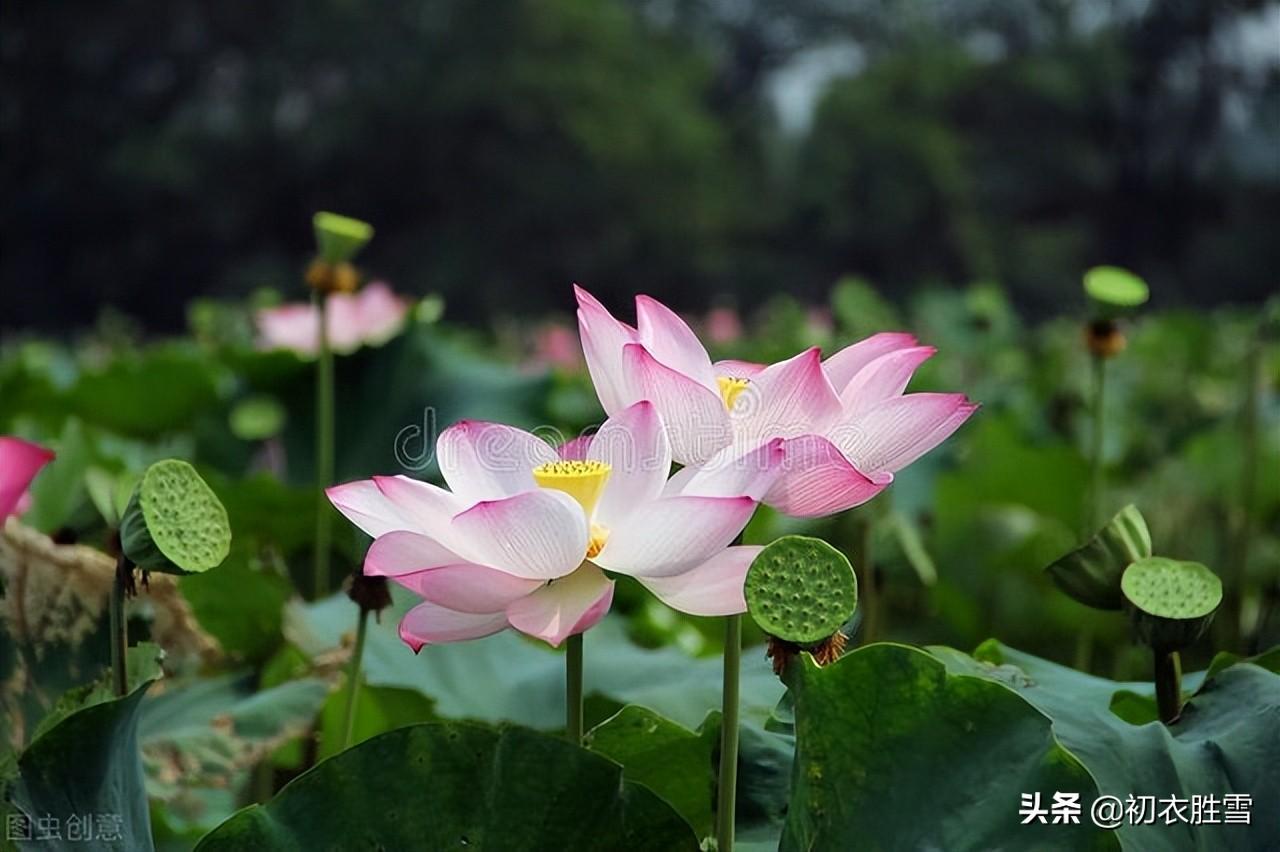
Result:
[207,732]
[894,750]
[148,393]
[1091,573]
[456,785]
[240,606]
[669,759]
[88,763]
[378,709]
[506,677]
[509,678]
[1224,742]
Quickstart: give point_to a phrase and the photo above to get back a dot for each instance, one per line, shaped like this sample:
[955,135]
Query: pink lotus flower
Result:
[369,317]
[521,537]
[723,325]
[846,423]
[20,461]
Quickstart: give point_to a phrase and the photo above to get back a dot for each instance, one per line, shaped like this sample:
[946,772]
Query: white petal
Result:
[602,340]
[730,474]
[696,420]
[563,607]
[672,342]
[539,535]
[634,444]
[884,378]
[488,461]
[897,432]
[845,364]
[673,534]
[432,624]
[713,588]
[786,399]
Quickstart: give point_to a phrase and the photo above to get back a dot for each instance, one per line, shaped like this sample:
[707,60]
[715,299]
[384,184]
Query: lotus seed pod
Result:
[1112,288]
[174,523]
[340,238]
[1172,603]
[1091,573]
[801,590]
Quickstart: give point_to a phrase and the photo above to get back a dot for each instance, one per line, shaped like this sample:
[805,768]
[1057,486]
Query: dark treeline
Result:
[153,152]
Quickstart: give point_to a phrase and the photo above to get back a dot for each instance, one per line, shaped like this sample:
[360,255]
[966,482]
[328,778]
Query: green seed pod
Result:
[340,238]
[801,590]
[1171,603]
[174,523]
[1091,573]
[1113,290]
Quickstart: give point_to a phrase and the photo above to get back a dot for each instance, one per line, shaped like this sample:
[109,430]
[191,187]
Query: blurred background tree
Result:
[695,150]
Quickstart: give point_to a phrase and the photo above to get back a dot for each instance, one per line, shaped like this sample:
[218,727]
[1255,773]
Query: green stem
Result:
[1168,674]
[728,787]
[119,627]
[1095,460]
[353,677]
[573,689]
[1249,440]
[324,449]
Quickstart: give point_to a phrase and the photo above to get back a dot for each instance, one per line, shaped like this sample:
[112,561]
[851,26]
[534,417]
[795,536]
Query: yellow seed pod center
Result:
[582,480]
[730,389]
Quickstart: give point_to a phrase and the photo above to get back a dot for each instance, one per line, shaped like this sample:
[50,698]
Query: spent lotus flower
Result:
[369,317]
[846,424]
[20,461]
[525,532]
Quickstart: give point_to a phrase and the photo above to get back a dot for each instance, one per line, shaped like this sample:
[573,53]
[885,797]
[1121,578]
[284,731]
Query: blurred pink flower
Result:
[521,537]
[20,461]
[370,316]
[723,325]
[554,345]
[847,425]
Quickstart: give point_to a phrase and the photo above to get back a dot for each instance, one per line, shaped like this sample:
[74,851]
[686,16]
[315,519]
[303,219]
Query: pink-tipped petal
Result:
[538,535]
[295,327]
[380,313]
[364,504]
[432,624]
[343,317]
[713,588]
[695,417]
[575,449]
[786,399]
[20,461]
[672,534]
[634,444]
[602,340]
[672,342]
[469,588]
[900,430]
[428,507]
[730,474]
[732,368]
[398,553]
[818,480]
[884,378]
[489,461]
[845,364]
[560,609]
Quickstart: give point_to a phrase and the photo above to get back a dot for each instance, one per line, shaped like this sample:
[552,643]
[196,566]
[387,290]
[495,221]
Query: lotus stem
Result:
[1237,630]
[728,787]
[1095,461]
[324,448]
[353,677]
[868,590]
[573,689]
[1168,676]
[119,627]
